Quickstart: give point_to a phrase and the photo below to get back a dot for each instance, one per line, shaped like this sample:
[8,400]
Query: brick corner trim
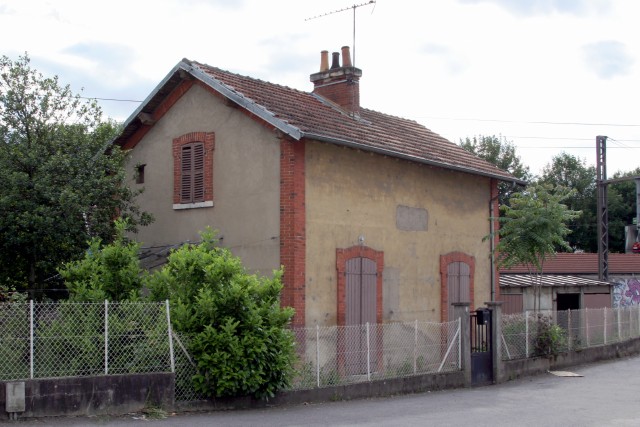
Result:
[292,227]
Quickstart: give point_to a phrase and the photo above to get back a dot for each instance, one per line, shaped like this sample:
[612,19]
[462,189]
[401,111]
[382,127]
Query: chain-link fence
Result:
[40,340]
[339,355]
[538,333]
[349,354]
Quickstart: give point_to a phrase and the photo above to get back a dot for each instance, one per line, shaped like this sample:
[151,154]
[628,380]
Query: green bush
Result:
[237,329]
[551,338]
[107,272]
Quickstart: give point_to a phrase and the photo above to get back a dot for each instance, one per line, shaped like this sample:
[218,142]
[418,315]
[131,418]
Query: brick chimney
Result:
[339,84]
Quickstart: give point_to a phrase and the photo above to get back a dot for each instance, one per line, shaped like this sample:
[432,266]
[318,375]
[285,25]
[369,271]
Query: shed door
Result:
[458,284]
[361,308]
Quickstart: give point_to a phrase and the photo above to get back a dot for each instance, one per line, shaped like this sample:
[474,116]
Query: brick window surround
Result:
[342,256]
[208,141]
[445,260]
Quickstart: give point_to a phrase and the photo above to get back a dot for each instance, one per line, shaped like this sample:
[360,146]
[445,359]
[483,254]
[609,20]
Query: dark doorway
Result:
[568,302]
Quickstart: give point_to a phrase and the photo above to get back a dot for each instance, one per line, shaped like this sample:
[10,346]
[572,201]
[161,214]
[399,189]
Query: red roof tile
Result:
[372,129]
[311,116]
[584,263]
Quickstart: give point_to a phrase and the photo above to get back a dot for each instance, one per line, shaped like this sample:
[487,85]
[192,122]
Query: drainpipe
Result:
[492,241]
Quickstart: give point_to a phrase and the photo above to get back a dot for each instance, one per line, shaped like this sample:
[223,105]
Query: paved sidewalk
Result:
[608,394]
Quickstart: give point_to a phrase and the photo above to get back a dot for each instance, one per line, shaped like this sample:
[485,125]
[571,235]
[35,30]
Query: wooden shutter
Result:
[192,173]
[459,280]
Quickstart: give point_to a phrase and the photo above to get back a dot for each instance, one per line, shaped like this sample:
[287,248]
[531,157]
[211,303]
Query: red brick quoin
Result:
[208,139]
[292,227]
[342,256]
[445,260]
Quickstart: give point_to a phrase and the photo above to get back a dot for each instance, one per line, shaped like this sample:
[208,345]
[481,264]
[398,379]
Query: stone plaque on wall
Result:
[411,219]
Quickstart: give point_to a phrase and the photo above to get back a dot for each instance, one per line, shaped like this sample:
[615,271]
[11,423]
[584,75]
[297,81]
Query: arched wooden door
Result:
[360,309]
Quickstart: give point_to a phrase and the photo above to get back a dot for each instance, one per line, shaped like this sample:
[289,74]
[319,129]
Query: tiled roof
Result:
[584,263]
[306,115]
[547,280]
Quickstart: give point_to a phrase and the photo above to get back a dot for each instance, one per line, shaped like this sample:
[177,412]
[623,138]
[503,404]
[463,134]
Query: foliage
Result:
[502,153]
[622,208]
[63,182]
[107,272]
[238,331]
[568,171]
[533,228]
[550,339]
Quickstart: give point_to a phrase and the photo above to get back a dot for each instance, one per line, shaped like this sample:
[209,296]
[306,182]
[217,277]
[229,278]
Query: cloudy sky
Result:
[548,75]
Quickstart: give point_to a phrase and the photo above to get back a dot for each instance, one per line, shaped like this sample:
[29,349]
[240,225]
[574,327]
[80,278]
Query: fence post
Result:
[586,316]
[496,342]
[415,347]
[569,338]
[604,314]
[526,334]
[461,313]
[171,354]
[618,313]
[106,337]
[368,355]
[31,355]
[318,355]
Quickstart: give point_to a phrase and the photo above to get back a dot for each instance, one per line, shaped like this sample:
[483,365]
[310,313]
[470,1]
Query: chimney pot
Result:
[346,57]
[324,61]
[335,62]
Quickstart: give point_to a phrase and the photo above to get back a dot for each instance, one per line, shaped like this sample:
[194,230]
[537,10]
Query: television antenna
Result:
[354,7]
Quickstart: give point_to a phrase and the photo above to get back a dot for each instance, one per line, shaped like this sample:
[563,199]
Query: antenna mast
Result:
[354,7]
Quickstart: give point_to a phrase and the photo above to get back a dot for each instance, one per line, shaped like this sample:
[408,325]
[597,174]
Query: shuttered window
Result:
[192,173]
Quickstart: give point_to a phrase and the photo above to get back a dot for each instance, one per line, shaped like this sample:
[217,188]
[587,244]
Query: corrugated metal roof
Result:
[306,115]
[584,263]
[547,280]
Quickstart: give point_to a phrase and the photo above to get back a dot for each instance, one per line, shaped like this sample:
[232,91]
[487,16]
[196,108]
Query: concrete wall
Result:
[351,193]
[89,396]
[369,389]
[524,367]
[246,180]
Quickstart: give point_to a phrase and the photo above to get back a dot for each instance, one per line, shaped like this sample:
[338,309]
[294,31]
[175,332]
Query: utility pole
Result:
[603,211]
[602,206]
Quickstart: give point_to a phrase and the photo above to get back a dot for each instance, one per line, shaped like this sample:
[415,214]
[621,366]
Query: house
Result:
[570,281]
[375,218]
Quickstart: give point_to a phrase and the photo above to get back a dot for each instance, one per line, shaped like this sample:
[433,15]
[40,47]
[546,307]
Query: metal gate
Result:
[481,343]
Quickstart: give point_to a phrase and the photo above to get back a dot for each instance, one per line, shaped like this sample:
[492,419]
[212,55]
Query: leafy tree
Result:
[62,181]
[568,171]
[532,229]
[237,329]
[622,208]
[502,153]
[107,272]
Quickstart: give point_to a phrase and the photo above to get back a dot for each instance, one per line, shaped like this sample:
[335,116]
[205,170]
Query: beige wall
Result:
[351,193]
[245,181]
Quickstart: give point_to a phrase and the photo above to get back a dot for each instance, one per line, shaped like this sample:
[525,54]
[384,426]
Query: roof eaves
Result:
[244,102]
[404,156]
[181,65]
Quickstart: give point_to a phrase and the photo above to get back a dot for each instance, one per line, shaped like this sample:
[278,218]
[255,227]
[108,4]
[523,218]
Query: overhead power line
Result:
[532,122]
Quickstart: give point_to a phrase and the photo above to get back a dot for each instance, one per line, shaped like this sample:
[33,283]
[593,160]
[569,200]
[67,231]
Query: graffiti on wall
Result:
[626,292]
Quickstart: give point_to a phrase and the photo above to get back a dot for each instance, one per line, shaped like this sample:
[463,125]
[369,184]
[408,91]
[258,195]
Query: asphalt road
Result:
[608,394]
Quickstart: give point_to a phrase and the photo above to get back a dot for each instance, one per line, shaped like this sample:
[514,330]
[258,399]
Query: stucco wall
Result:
[245,180]
[351,193]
